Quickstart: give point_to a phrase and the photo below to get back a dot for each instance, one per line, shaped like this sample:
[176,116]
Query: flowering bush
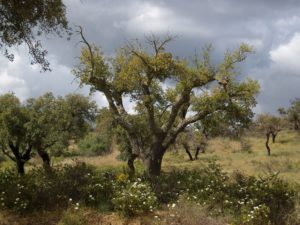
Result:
[135,197]
[224,195]
[39,190]
[248,200]
[256,216]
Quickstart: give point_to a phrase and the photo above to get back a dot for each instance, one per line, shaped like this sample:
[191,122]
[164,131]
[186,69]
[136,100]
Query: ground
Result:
[229,153]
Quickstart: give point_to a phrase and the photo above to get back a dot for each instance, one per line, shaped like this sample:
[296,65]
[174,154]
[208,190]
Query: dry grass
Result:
[284,156]
[99,161]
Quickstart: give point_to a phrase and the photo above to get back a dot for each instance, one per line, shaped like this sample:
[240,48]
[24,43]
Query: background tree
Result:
[140,73]
[56,121]
[42,124]
[230,123]
[15,141]
[293,114]
[192,138]
[24,21]
[270,126]
[100,140]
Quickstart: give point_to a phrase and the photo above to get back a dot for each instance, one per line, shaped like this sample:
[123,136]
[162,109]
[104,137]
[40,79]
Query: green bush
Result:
[93,145]
[246,199]
[224,195]
[135,197]
[40,190]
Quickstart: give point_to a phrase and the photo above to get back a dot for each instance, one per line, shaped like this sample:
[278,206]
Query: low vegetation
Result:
[237,198]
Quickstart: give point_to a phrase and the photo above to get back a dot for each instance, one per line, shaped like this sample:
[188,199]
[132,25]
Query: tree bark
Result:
[274,137]
[46,159]
[197,152]
[20,167]
[152,163]
[267,144]
[187,150]
[130,163]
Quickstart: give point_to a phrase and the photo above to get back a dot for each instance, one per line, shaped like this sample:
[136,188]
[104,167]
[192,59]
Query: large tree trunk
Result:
[46,159]
[152,162]
[267,144]
[20,167]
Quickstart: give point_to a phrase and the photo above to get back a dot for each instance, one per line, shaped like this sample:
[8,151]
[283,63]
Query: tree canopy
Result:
[293,114]
[168,93]
[41,124]
[24,21]
[270,125]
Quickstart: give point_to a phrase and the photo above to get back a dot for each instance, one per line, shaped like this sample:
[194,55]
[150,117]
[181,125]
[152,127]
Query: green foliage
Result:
[93,145]
[134,198]
[39,190]
[140,72]
[24,21]
[212,188]
[268,123]
[43,123]
[257,215]
[293,114]
[243,199]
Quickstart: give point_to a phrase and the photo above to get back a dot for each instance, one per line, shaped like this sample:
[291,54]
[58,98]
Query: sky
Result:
[272,27]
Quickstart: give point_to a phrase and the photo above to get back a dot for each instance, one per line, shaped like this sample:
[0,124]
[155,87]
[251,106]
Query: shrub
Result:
[189,213]
[39,190]
[93,145]
[212,188]
[256,215]
[136,197]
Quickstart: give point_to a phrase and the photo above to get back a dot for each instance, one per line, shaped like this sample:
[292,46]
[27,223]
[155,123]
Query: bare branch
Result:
[90,51]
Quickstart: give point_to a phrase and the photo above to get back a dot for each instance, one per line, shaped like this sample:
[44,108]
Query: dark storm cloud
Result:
[271,26]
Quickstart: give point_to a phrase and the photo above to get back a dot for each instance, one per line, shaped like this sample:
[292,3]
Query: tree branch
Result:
[8,155]
[90,51]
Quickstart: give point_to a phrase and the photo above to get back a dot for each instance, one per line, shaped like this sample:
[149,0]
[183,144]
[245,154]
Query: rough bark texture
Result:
[20,167]
[152,162]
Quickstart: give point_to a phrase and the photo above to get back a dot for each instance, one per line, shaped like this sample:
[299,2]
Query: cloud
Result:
[280,79]
[286,56]
[272,26]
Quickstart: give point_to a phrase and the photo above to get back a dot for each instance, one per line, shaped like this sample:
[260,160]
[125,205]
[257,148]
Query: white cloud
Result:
[286,56]
[147,17]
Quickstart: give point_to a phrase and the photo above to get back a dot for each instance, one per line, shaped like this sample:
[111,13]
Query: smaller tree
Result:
[15,141]
[192,138]
[270,126]
[293,114]
[42,124]
[56,121]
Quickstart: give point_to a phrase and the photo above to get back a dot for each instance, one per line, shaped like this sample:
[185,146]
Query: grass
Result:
[284,156]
